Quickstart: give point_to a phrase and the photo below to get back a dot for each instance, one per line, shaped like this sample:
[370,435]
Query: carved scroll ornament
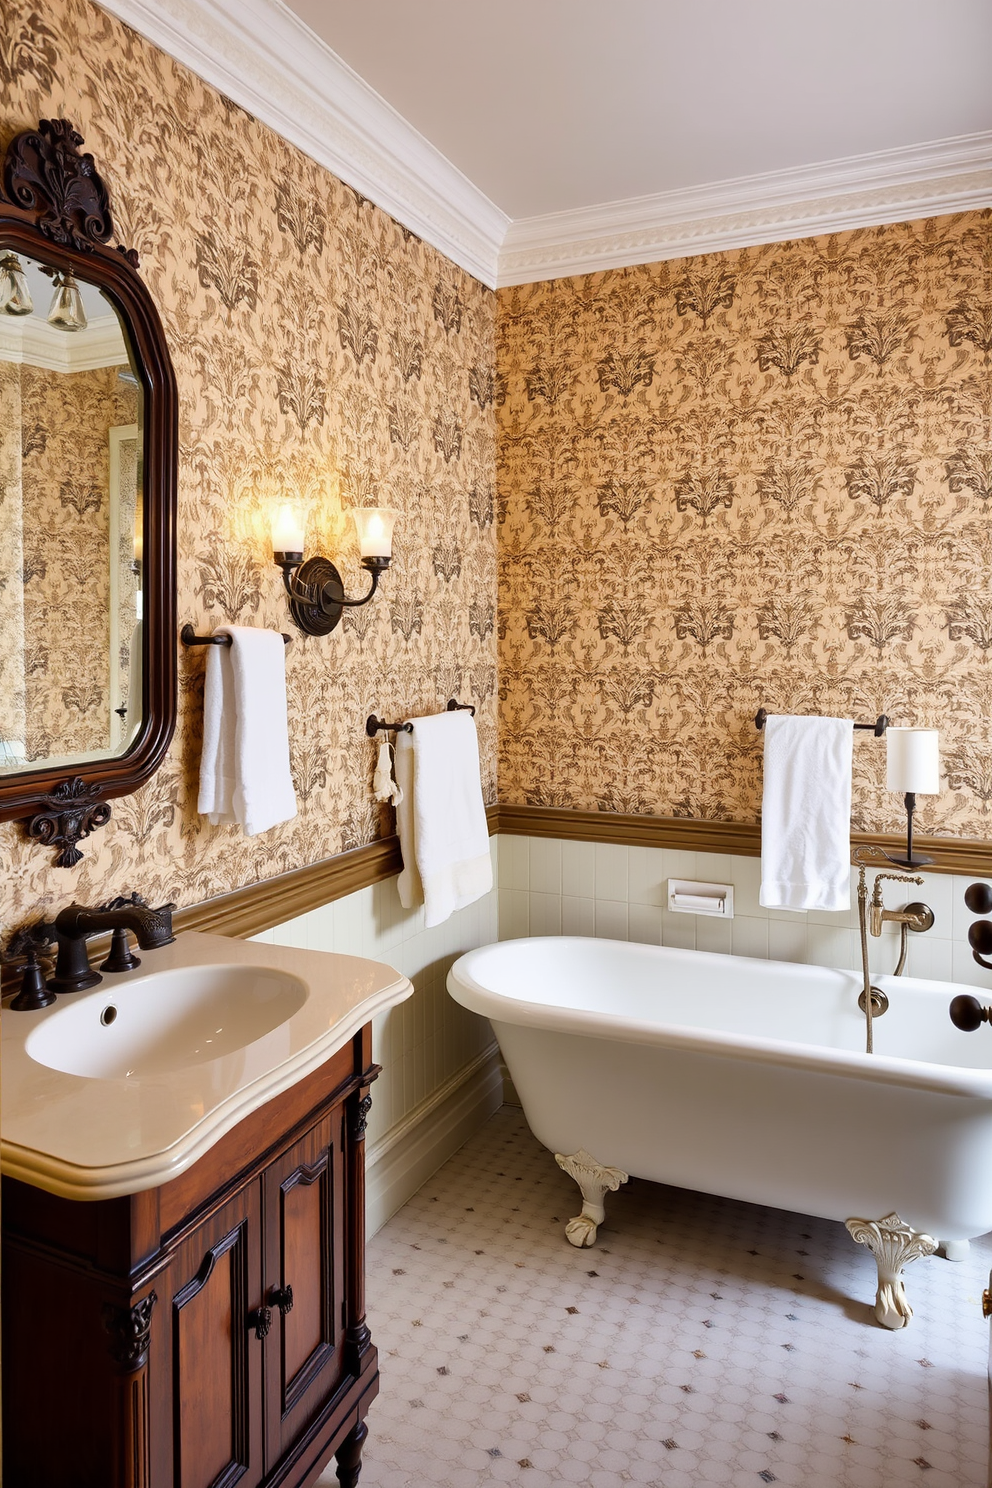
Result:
[45,174]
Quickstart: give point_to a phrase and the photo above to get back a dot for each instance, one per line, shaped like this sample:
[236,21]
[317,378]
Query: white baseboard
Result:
[403,1159]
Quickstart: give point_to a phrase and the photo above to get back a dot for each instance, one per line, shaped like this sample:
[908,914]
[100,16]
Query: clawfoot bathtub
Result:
[747,1079]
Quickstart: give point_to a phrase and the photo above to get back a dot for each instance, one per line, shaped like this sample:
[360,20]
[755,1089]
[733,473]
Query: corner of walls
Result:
[440,1077]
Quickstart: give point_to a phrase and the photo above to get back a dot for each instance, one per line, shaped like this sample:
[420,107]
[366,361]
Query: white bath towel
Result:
[244,767]
[806,813]
[441,816]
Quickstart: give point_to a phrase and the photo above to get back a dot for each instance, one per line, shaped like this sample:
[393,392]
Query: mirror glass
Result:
[71,522]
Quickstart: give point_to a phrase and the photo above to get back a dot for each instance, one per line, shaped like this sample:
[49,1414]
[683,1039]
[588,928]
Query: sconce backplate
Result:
[321,577]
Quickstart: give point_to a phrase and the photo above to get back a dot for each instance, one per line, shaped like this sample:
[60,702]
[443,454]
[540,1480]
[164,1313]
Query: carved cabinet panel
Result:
[216,1357]
[207,1333]
[303,1201]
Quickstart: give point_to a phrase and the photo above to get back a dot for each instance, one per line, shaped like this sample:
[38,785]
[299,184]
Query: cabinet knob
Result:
[282,1297]
[260,1318]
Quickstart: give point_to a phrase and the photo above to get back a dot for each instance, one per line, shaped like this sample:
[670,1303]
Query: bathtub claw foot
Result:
[894,1244]
[595,1182]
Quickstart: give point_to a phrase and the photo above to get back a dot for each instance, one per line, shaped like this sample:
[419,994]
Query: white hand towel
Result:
[806,813]
[441,816]
[244,767]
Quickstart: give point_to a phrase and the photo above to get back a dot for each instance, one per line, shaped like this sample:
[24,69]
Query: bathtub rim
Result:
[882,1069]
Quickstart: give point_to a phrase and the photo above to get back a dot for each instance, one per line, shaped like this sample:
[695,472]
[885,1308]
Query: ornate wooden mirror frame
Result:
[53,204]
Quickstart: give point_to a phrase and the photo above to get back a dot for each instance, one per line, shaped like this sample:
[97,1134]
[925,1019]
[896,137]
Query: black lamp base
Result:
[911,859]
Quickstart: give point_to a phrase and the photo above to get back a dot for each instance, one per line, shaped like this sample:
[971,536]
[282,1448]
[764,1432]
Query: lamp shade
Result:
[288,529]
[375,530]
[913,760]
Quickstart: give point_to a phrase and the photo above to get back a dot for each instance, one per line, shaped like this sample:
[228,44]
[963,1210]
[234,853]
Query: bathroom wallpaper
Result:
[752,478]
[65,489]
[322,353]
[11,559]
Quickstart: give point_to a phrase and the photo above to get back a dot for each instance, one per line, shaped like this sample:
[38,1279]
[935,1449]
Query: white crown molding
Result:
[263,57]
[33,341]
[952,175]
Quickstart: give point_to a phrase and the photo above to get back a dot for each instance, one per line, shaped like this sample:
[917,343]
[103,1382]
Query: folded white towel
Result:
[244,767]
[441,816]
[806,813]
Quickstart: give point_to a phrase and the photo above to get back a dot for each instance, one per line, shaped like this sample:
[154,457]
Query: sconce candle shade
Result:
[375,530]
[288,529]
[67,303]
[15,296]
[913,760]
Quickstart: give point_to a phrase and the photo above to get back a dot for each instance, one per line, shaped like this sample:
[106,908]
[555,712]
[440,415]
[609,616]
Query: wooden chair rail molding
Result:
[742,839]
[257,907]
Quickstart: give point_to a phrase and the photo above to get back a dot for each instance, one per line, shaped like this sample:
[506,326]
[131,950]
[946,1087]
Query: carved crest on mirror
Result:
[88,409]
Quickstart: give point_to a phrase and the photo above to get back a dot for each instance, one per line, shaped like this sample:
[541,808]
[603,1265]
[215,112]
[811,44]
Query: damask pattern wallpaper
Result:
[753,478]
[321,352]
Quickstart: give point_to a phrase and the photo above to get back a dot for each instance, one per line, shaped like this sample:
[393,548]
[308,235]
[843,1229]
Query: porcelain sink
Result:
[123,1086]
[167,1021]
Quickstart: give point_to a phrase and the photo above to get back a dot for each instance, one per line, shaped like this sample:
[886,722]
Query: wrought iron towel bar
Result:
[189,637]
[878,727]
[374,725]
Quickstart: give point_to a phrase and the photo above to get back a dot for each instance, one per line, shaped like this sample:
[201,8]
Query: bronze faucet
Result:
[917,916]
[75,924]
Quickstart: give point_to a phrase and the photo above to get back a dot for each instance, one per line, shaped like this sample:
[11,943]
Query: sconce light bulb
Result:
[375,530]
[288,529]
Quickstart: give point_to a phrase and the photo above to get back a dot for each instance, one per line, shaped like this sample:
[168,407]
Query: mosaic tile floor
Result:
[700,1341]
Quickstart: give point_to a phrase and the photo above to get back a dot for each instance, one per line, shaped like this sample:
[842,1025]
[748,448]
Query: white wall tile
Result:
[646,875]
[514,917]
[545,865]
[578,869]
[828,945]
[578,915]
[611,872]
[678,930]
[514,862]
[787,939]
[749,935]
[292,933]
[545,914]
[713,934]
[644,924]
[611,919]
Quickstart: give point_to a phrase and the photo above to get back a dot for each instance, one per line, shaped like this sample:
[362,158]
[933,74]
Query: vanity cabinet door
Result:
[216,1353]
[303,1206]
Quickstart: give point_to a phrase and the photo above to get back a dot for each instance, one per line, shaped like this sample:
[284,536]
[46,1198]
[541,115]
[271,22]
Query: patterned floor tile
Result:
[700,1341]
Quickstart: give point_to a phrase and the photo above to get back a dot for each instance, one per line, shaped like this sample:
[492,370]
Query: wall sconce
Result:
[66,310]
[912,766]
[15,296]
[316,593]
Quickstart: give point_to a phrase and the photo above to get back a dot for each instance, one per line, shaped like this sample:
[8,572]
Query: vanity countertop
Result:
[100,1136]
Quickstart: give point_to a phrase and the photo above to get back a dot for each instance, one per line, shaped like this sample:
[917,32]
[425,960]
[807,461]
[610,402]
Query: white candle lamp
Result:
[288,533]
[912,767]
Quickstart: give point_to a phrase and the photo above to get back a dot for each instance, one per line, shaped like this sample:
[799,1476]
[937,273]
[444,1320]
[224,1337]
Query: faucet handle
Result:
[27,944]
[123,901]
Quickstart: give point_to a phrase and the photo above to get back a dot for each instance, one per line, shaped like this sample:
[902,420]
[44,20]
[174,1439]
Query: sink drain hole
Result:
[108,1015]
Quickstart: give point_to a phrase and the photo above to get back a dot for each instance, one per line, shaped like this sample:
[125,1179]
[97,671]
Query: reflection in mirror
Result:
[71,518]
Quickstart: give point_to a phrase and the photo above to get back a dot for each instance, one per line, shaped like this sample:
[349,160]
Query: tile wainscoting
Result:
[549,886]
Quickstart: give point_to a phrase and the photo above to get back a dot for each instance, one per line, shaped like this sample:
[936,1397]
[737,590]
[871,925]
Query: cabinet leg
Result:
[349,1457]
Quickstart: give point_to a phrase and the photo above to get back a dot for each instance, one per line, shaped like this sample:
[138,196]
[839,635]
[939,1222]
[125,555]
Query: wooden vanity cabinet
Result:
[207,1333]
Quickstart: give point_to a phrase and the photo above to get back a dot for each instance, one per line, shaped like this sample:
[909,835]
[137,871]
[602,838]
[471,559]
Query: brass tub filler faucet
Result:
[872,915]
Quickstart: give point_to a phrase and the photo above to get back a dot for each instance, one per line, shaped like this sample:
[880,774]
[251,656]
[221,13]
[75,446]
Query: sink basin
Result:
[166,1021]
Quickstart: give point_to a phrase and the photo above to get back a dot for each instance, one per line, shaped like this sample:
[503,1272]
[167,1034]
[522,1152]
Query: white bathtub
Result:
[748,1079]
